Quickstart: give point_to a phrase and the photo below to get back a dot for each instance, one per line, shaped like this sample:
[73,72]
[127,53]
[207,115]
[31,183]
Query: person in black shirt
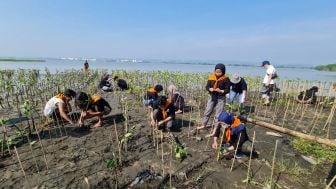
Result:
[238,88]
[218,86]
[163,113]
[104,84]
[152,95]
[122,84]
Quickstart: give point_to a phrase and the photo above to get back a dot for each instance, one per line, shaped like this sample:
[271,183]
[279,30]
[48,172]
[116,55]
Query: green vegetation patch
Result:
[20,60]
[318,151]
[329,67]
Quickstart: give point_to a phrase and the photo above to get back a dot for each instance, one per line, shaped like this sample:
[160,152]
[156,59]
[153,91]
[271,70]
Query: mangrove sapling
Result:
[23,172]
[234,156]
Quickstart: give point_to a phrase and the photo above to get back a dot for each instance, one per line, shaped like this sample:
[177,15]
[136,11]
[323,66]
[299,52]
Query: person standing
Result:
[268,82]
[218,86]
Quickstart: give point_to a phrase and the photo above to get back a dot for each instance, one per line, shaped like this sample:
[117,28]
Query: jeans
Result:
[241,97]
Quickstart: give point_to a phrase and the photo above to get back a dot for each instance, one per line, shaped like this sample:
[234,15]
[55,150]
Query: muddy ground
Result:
[76,158]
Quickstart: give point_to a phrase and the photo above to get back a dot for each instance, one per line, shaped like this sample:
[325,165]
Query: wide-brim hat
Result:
[235,79]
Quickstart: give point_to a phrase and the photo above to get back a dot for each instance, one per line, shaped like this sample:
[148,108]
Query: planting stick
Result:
[332,111]
[40,142]
[170,165]
[331,182]
[249,165]
[284,117]
[316,120]
[304,110]
[163,171]
[24,173]
[234,157]
[119,148]
[273,163]
[5,139]
[212,127]
[220,144]
[291,132]
[189,122]
[31,150]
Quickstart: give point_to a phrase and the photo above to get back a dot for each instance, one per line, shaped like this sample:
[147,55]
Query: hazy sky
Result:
[283,31]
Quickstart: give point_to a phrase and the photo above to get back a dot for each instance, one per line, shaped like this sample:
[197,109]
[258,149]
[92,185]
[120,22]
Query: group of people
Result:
[163,109]
[58,107]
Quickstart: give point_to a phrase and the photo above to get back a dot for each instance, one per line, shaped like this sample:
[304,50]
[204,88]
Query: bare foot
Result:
[214,146]
[201,127]
[97,125]
[178,112]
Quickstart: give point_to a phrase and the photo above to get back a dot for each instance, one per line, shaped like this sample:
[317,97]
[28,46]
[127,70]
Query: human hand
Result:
[218,90]
[160,123]
[211,89]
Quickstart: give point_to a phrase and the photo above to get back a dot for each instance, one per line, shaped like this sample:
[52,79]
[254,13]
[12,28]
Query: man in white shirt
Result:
[268,82]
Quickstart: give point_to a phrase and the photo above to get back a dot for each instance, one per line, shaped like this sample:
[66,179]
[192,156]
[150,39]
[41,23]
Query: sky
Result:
[285,32]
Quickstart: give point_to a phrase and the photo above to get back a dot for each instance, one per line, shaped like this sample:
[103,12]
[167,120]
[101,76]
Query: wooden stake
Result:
[23,172]
[119,148]
[249,165]
[331,182]
[273,163]
[41,145]
[220,144]
[234,157]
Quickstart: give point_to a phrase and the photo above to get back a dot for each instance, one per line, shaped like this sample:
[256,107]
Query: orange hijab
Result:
[95,98]
[213,77]
[235,123]
[61,96]
[164,109]
[152,90]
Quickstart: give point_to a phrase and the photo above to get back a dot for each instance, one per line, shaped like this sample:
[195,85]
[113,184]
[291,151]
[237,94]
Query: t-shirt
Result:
[239,87]
[104,83]
[270,70]
[50,107]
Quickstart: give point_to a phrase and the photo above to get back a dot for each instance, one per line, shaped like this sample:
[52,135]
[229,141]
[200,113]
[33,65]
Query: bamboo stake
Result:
[43,151]
[170,165]
[189,123]
[116,133]
[163,171]
[273,163]
[220,144]
[331,182]
[249,165]
[31,150]
[234,157]
[24,173]
[284,118]
[292,133]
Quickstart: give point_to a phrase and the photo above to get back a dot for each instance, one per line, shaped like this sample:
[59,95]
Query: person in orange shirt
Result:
[152,95]
[92,106]
[218,86]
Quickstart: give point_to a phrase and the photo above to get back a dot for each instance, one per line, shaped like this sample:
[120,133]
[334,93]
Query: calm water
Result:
[60,64]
